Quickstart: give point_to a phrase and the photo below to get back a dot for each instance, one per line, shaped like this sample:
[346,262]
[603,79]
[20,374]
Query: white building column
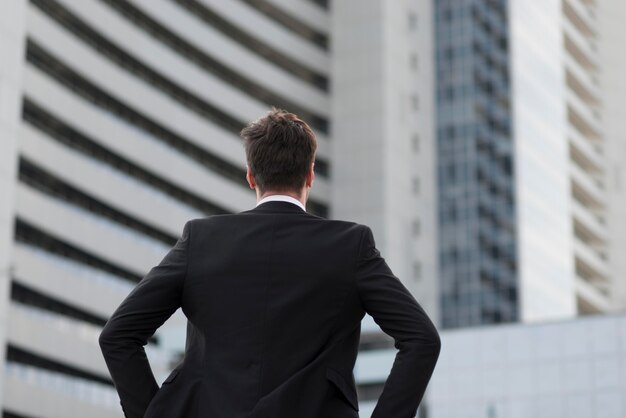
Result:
[612,38]
[383,147]
[12,30]
[543,208]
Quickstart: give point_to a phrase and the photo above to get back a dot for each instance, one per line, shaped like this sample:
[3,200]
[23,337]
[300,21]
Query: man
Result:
[274,298]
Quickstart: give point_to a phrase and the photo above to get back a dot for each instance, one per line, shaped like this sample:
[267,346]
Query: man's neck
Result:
[300,198]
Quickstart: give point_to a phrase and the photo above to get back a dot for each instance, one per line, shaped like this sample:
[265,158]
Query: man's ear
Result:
[250,177]
[311,175]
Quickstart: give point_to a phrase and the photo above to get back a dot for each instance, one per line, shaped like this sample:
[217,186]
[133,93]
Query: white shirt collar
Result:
[282,197]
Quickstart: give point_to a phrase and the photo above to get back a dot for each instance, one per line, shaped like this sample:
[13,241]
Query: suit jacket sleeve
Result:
[155,298]
[399,315]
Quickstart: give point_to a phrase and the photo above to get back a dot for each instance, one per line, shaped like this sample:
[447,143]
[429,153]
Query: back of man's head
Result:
[280,148]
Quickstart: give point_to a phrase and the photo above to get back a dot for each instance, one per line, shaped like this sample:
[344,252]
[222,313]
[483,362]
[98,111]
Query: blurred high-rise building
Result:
[382,113]
[524,130]
[383,151]
[120,121]
[477,228]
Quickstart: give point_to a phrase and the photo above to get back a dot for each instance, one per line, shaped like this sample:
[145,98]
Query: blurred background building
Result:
[383,146]
[482,140]
[524,172]
[123,121]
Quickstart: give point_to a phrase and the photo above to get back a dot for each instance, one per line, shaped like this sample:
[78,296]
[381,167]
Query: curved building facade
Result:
[130,114]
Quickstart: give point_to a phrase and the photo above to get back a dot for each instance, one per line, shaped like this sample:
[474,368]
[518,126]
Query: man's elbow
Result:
[433,339]
[426,343]
[106,339]
[431,343]
[436,343]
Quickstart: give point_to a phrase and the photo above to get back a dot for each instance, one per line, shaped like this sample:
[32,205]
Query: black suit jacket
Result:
[274,298]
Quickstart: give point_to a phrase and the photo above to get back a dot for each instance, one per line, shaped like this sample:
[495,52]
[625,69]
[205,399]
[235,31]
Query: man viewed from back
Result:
[274,298]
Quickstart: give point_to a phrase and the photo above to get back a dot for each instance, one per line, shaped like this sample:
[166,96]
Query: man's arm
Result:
[399,315]
[155,298]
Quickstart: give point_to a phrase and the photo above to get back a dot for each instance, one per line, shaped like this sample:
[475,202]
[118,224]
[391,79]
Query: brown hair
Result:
[280,148]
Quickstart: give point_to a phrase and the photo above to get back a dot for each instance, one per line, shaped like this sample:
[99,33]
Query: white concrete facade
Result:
[541,162]
[383,157]
[12,29]
[610,17]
